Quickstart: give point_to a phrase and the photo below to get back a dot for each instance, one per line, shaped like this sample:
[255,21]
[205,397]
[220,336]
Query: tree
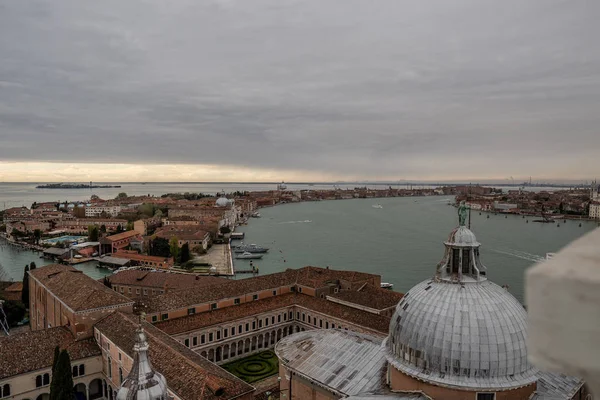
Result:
[25,291]
[129,226]
[93,233]
[119,229]
[37,235]
[224,229]
[103,228]
[121,196]
[174,247]
[146,209]
[32,266]
[14,310]
[185,253]
[159,247]
[55,360]
[61,387]
[106,282]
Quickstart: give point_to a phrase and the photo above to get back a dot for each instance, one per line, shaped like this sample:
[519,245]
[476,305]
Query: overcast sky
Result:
[299,89]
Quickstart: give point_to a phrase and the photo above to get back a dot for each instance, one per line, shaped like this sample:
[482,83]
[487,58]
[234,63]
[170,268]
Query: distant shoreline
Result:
[74,186]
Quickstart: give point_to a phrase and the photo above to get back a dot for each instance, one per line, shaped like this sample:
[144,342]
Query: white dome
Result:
[222,202]
[462,236]
[459,329]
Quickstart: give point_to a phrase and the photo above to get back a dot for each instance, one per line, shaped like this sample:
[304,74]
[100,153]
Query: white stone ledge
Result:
[563,301]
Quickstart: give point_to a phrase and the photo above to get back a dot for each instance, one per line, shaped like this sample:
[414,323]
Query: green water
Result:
[402,242]
[13,260]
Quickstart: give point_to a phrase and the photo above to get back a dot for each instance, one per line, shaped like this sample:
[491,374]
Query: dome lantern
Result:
[143,382]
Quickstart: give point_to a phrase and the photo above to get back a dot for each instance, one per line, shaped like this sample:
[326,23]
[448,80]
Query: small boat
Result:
[77,256]
[248,256]
[252,248]
[255,215]
[386,285]
[377,206]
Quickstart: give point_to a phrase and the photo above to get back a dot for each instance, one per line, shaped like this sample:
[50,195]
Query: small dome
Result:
[469,336]
[222,202]
[462,236]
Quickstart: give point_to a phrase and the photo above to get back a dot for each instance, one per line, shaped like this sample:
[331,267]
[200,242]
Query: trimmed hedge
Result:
[255,367]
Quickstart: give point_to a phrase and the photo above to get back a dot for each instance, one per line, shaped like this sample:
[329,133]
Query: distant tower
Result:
[143,382]
[90,184]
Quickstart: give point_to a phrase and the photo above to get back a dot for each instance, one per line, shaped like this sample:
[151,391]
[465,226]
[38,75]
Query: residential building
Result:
[95,211]
[144,260]
[119,241]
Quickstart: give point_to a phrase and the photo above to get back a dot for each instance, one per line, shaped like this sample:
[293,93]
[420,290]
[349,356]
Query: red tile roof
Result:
[77,290]
[34,350]
[163,279]
[189,375]
[308,276]
[121,236]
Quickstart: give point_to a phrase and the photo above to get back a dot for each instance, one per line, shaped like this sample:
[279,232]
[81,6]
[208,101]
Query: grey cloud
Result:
[357,88]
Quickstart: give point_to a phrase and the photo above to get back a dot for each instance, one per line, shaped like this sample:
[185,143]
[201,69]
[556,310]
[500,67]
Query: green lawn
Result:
[255,367]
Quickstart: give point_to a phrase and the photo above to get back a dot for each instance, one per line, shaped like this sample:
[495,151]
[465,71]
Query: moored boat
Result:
[248,256]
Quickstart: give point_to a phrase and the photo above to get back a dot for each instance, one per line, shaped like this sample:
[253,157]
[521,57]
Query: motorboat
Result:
[377,206]
[255,215]
[386,285]
[250,248]
[248,256]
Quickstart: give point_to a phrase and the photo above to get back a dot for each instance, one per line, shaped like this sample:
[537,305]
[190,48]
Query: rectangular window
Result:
[298,315]
[274,292]
[292,288]
[486,396]
[192,311]
[253,325]
[119,356]
[121,289]
[326,325]
[154,318]
[279,318]
[213,306]
[260,323]
[291,315]
[273,320]
[164,317]
[285,316]
[145,292]
[232,330]
[187,342]
[254,297]
[247,327]
[137,291]
[202,339]
[299,289]
[210,337]
[240,329]
[320,323]
[129,290]
[195,341]
[303,317]
[309,319]
[236,301]
[225,332]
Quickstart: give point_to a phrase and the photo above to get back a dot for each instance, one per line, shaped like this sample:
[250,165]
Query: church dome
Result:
[459,329]
[462,236]
[222,202]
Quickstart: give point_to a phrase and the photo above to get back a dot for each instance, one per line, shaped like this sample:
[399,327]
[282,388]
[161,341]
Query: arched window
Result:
[81,370]
[120,375]
[38,381]
[46,379]
[5,392]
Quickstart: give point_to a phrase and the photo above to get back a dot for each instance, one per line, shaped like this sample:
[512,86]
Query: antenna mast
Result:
[468,199]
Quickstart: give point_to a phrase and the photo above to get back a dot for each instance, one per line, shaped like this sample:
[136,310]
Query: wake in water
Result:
[521,254]
[307,221]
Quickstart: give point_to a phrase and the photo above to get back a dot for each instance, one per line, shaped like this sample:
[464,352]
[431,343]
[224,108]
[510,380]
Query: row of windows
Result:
[137,290]
[213,306]
[240,329]
[283,317]
[44,379]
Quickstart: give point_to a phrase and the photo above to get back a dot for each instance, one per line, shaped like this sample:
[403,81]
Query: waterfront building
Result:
[194,236]
[594,206]
[143,260]
[102,210]
[454,336]
[119,241]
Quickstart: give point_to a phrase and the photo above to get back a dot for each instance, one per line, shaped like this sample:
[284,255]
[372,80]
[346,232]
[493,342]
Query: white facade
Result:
[96,211]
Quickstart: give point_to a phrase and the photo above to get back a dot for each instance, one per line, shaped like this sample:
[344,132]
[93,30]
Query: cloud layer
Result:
[351,89]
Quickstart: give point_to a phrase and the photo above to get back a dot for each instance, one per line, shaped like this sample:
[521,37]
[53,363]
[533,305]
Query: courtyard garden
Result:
[255,367]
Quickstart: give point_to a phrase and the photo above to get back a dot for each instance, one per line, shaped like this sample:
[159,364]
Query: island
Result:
[74,186]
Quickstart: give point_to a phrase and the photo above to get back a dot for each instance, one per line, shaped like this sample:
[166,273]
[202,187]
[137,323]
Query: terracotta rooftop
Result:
[163,279]
[232,313]
[133,255]
[370,296]
[188,374]
[77,290]
[307,276]
[34,350]
[121,236]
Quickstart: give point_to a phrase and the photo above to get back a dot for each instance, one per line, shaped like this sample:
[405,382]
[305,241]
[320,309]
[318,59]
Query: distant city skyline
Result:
[271,90]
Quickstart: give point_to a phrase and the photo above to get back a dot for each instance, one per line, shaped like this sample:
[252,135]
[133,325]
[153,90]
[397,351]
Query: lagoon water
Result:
[403,241]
